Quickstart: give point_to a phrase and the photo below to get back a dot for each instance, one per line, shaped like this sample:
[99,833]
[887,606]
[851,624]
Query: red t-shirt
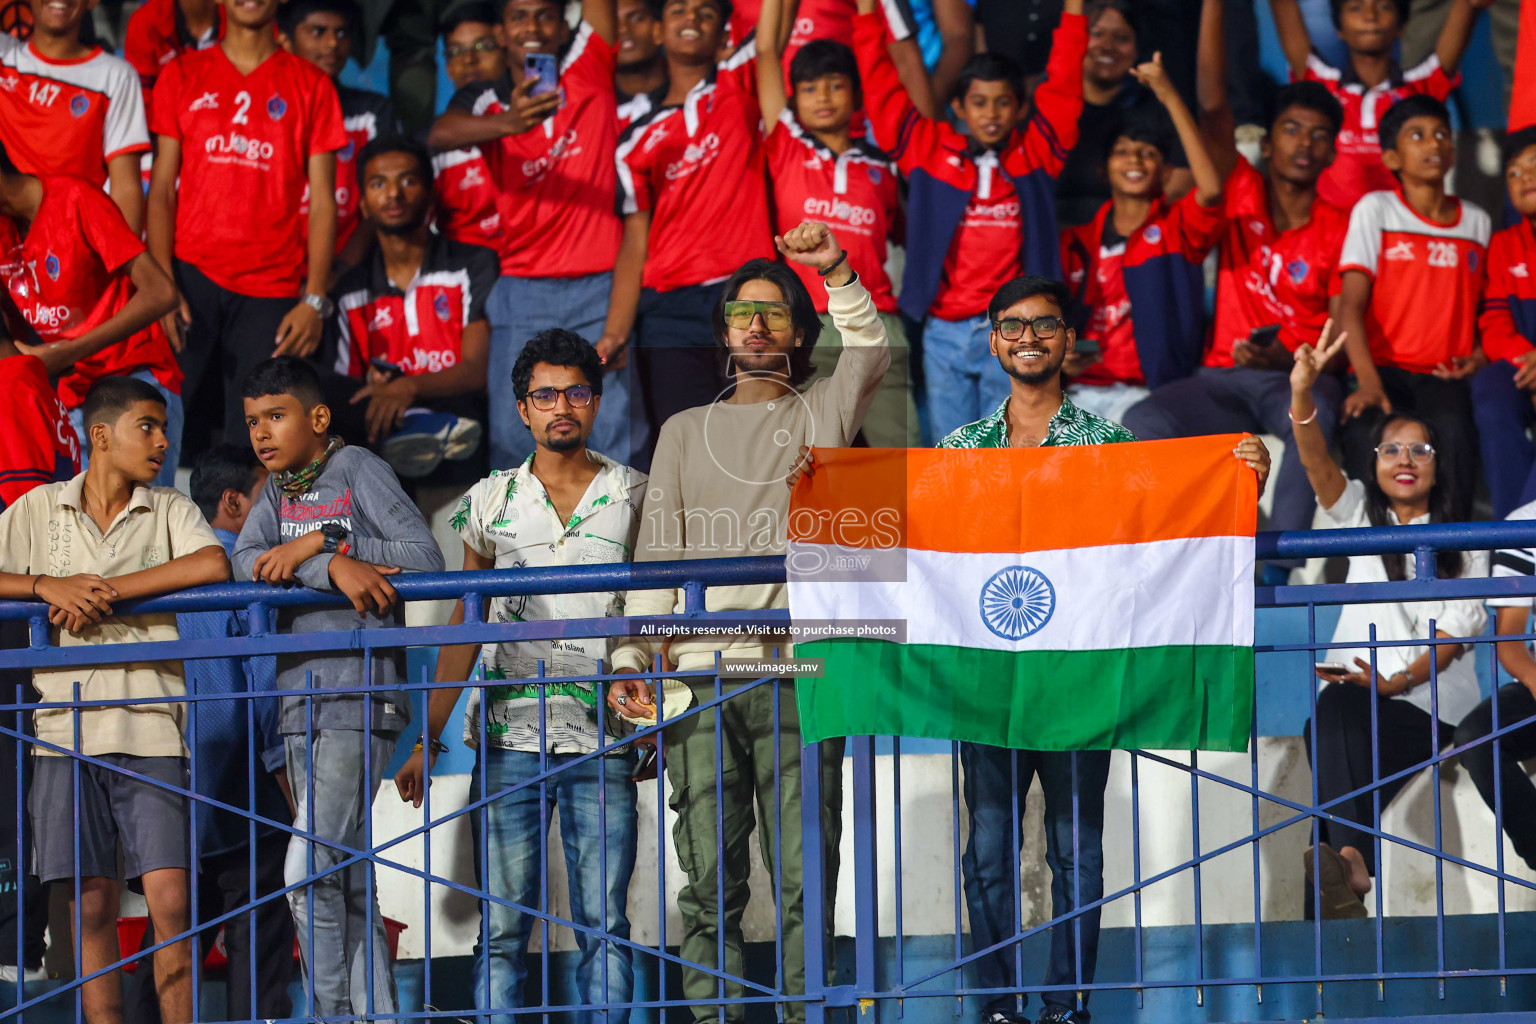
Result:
[1358,168]
[1095,266]
[820,19]
[1264,277]
[1427,279]
[72,275]
[420,330]
[557,181]
[70,117]
[698,167]
[468,208]
[37,444]
[854,193]
[984,254]
[246,141]
[364,117]
[155,36]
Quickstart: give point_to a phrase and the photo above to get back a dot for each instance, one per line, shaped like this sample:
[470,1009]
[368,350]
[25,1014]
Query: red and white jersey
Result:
[1265,277]
[468,201]
[822,19]
[69,273]
[420,330]
[157,35]
[698,167]
[68,117]
[632,108]
[1358,168]
[37,443]
[1427,279]
[557,181]
[984,254]
[854,193]
[246,141]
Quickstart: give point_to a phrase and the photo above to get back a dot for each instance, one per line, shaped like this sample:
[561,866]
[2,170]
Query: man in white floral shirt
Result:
[565,505]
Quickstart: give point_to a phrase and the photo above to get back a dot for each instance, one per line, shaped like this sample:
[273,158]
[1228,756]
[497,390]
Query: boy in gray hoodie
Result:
[331,518]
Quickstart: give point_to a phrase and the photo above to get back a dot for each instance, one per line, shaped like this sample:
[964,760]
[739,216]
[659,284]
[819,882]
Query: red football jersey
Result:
[557,181]
[698,167]
[984,255]
[364,117]
[37,443]
[820,19]
[1264,277]
[1506,323]
[69,273]
[68,118]
[1097,269]
[1358,168]
[246,141]
[421,329]
[468,209]
[1427,279]
[156,36]
[854,193]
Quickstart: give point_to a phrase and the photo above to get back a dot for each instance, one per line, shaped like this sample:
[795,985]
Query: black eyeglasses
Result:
[478,46]
[578,395]
[1011,328]
[1390,450]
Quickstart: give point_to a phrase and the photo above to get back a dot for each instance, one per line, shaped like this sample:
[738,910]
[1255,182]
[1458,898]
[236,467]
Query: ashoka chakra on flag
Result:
[1054,598]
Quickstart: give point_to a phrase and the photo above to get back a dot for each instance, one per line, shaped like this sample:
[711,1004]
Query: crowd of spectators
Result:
[649,252]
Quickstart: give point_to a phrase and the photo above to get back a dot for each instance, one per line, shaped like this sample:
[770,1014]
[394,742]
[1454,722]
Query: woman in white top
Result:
[1410,486]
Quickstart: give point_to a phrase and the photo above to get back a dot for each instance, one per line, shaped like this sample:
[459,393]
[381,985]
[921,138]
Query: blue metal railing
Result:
[879,978]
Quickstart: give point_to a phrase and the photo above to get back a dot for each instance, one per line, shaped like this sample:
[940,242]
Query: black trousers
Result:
[224,884]
[1445,404]
[1516,794]
[230,333]
[1342,734]
[20,891]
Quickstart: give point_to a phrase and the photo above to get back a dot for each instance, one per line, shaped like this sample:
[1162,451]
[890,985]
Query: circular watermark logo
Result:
[771,467]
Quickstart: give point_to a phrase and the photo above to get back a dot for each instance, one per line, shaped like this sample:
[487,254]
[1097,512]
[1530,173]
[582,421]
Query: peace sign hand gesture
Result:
[1310,361]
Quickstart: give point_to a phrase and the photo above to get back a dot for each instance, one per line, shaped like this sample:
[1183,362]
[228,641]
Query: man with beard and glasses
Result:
[563,505]
[411,322]
[1031,341]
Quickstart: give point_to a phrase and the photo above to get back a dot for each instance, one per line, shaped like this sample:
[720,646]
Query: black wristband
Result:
[841,259]
[35,581]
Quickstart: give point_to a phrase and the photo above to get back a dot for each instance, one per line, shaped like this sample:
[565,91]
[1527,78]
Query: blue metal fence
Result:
[888,965]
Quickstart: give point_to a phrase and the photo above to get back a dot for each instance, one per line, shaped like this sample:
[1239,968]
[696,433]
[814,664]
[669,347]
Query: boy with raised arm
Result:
[1371,79]
[982,204]
[104,537]
[1136,267]
[333,518]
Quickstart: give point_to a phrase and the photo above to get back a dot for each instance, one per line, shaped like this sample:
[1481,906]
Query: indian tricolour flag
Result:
[1052,598]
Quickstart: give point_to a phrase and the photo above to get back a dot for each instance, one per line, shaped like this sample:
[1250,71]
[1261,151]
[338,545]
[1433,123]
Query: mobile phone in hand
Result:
[1260,337]
[386,367]
[1331,667]
[545,68]
[1088,348]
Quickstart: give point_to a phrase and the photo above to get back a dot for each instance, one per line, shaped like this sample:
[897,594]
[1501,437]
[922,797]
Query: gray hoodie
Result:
[357,489]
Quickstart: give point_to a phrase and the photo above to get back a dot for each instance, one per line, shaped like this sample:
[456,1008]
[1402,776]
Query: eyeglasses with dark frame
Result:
[1421,452]
[1011,328]
[545,399]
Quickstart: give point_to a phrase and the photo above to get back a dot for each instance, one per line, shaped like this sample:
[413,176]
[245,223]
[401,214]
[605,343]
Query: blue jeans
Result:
[963,378]
[174,420]
[596,799]
[1074,855]
[519,308]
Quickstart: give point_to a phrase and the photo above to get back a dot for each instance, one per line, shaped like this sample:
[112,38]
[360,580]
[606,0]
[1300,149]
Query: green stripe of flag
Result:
[1152,698]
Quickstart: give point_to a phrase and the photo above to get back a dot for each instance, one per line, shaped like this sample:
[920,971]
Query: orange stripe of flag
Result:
[1025,499]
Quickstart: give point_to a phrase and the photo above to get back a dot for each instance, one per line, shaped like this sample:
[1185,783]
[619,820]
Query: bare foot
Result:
[1359,877]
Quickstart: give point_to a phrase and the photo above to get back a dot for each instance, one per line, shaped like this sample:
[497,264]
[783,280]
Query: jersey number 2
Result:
[242,104]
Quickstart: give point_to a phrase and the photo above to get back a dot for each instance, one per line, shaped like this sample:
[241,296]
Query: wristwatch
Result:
[320,304]
[335,534]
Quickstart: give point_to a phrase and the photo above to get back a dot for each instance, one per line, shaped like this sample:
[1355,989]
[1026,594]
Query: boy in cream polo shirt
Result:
[83,545]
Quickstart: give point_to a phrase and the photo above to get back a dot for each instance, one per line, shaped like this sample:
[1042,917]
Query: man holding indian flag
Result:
[1128,628]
